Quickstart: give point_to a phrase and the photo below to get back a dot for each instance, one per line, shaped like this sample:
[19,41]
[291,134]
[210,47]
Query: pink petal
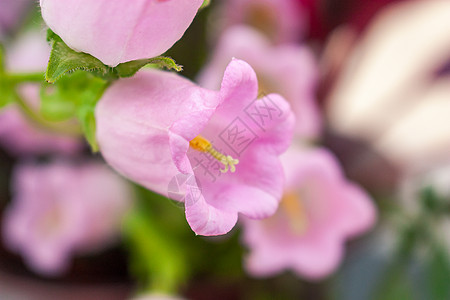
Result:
[117,32]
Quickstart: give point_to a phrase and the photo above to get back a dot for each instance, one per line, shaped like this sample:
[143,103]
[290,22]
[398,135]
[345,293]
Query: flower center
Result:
[201,144]
[295,211]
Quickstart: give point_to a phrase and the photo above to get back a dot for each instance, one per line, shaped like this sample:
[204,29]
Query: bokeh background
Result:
[379,74]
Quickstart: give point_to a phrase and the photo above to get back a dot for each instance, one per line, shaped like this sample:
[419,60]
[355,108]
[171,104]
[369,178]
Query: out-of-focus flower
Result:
[11,13]
[320,209]
[287,69]
[17,134]
[281,20]
[61,209]
[157,126]
[117,32]
[388,93]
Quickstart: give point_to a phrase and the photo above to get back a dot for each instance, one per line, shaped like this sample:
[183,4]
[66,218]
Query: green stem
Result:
[25,77]
[157,257]
[33,116]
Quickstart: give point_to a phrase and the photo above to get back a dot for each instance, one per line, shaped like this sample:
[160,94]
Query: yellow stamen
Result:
[201,144]
[295,211]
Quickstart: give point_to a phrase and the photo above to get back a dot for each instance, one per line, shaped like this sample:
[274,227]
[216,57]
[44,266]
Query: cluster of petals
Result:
[320,210]
[60,209]
[145,125]
[119,31]
[288,69]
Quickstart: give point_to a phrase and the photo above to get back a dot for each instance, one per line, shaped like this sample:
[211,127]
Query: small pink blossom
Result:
[280,20]
[287,69]
[17,134]
[119,31]
[157,126]
[319,211]
[61,209]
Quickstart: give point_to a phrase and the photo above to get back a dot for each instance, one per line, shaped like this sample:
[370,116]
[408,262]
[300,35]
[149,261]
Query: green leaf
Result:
[128,69]
[396,285]
[439,274]
[64,60]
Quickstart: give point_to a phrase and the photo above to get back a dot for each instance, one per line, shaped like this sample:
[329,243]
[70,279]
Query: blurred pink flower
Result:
[61,209]
[158,126]
[287,69]
[280,20]
[11,13]
[17,134]
[117,31]
[320,209]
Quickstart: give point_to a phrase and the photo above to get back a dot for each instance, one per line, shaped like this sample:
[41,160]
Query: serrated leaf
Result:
[64,60]
[128,69]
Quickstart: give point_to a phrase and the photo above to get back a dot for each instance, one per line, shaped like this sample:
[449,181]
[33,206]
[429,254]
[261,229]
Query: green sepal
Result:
[74,97]
[130,68]
[65,60]
[205,4]
[86,117]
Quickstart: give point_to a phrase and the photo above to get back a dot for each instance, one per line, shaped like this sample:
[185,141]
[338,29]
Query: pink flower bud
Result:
[119,31]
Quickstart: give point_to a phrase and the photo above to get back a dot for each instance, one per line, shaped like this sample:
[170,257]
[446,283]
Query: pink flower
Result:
[158,127]
[17,134]
[288,69]
[61,209]
[319,211]
[280,20]
[11,13]
[120,31]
